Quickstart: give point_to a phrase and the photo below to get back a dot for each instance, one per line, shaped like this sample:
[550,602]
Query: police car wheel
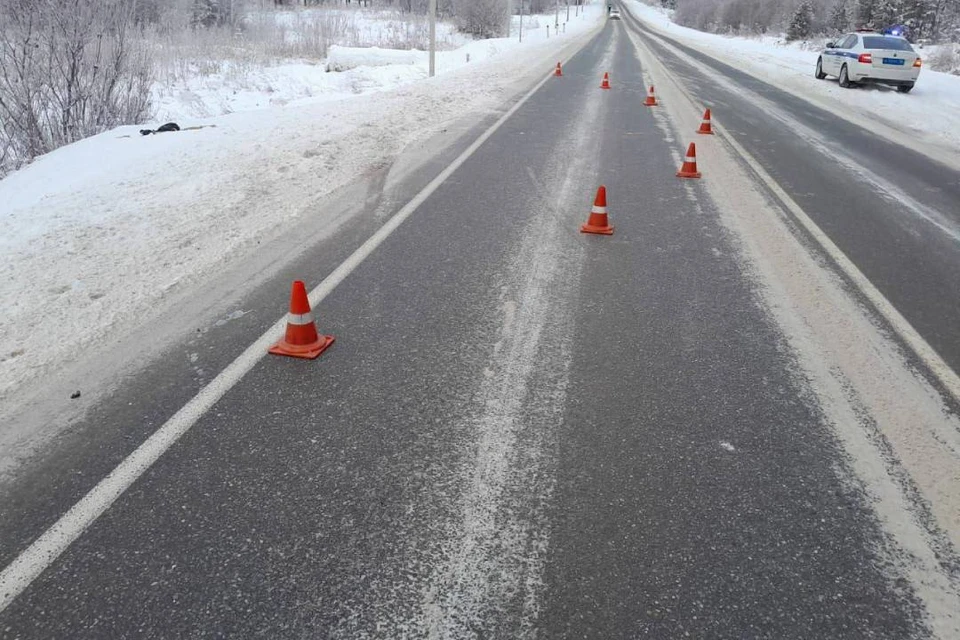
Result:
[845,78]
[820,74]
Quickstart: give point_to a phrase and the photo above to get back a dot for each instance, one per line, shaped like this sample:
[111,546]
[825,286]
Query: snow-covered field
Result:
[254,77]
[96,235]
[930,114]
[358,70]
[373,51]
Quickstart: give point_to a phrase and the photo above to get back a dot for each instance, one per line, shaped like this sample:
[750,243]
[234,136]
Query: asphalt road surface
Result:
[893,211]
[521,430]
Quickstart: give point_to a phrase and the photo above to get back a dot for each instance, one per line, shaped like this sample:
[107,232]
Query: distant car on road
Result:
[614,14]
[870,57]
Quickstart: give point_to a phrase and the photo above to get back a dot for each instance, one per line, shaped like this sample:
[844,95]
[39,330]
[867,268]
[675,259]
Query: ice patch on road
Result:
[233,315]
[491,581]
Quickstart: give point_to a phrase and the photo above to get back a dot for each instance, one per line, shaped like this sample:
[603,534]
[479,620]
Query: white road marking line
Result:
[42,553]
[815,138]
[937,366]
[916,553]
[946,376]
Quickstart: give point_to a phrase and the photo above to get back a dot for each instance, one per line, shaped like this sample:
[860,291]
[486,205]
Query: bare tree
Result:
[68,69]
[482,18]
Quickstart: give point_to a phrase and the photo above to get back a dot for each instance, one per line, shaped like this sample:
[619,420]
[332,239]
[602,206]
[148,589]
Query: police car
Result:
[614,14]
[868,56]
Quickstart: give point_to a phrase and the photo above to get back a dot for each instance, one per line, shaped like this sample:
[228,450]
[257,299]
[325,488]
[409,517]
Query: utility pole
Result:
[556,20]
[509,15]
[433,38]
[568,10]
[521,20]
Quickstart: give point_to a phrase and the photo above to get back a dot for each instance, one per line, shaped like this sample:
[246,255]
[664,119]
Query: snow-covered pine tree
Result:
[839,18]
[931,19]
[801,25]
[210,13]
[920,16]
[948,21]
[887,12]
[865,12]
[205,12]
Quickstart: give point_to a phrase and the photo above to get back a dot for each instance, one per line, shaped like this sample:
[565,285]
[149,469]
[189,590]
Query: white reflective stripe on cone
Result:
[689,159]
[704,122]
[300,319]
[599,209]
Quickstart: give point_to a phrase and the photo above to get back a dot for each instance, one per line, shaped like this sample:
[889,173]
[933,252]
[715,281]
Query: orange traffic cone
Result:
[597,223]
[689,168]
[606,81]
[705,124]
[301,339]
[559,71]
[651,100]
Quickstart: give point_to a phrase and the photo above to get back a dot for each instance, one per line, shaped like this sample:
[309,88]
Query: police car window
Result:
[847,42]
[881,42]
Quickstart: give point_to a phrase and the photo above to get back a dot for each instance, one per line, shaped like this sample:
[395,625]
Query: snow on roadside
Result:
[930,111]
[358,70]
[94,235]
[255,80]
[233,91]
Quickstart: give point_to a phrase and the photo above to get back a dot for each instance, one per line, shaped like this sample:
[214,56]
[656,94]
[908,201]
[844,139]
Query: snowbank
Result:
[930,111]
[345,58]
[95,236]
[274,86]
[945,57]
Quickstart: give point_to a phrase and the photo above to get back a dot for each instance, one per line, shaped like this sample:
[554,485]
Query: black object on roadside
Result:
[170,126]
